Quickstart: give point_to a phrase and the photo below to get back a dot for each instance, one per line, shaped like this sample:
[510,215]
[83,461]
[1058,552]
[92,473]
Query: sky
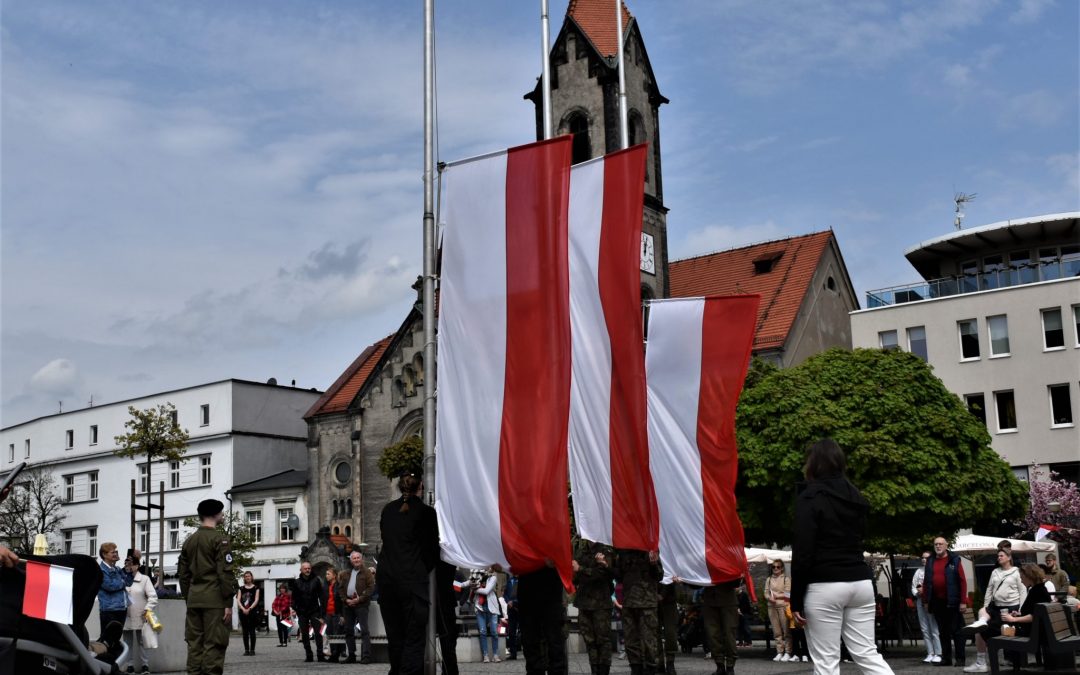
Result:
[195,191]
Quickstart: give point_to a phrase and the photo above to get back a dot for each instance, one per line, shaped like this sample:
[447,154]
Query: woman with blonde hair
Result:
[778,594]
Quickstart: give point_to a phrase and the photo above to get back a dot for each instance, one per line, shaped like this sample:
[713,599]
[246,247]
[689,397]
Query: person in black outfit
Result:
[446,615]
[248,601]
[542,616]
[1032,576]
[309,602]
[832,588]
[512,638]
[410,536]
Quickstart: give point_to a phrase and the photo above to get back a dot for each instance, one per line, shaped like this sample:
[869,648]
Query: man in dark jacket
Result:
[945,590]
[357,585]
[309,603]
[543,622]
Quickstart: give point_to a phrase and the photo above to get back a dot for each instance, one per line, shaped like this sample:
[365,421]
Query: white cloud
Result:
[1040,107]
[1029,11]
[58,377]
[719,237]
[958,75]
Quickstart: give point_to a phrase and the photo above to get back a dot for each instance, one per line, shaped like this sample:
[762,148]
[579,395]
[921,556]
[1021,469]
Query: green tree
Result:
[921,459]
[406,456]
[152,433]
[241,539]
[32,507]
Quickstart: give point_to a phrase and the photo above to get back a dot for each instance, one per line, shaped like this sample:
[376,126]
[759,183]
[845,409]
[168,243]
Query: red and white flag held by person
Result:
[48,592]
[697,356]
[613,496]
[504,361]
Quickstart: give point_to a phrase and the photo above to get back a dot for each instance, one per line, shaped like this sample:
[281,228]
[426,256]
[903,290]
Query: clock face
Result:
[648,254]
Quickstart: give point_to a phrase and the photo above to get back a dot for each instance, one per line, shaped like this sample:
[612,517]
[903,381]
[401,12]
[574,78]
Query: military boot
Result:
[721,669]
[603,669]
[636,669]
[669,665]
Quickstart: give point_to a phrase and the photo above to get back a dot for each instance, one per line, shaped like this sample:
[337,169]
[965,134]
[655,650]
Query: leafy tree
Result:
[920,458]
[153,433]
[1066,495]
[241,540]
[406,456]
[32,507]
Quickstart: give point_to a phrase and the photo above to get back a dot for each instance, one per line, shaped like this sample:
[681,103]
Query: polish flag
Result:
[696,361]
[1044,531]
[504,361]
[614,500]
[48,592]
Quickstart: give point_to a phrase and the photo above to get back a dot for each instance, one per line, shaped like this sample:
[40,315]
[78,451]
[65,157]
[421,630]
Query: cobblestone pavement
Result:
[271,660]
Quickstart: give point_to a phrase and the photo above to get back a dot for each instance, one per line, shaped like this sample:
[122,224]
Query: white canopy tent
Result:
[760,555]
[976,543]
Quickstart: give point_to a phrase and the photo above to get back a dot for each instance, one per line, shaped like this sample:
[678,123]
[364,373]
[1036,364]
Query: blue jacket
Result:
[955,581]
[112,597]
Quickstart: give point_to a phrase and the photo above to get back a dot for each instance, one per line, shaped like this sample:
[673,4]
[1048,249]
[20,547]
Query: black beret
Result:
[210,507]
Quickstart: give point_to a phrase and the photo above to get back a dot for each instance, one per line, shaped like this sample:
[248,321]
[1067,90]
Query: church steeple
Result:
[585,100]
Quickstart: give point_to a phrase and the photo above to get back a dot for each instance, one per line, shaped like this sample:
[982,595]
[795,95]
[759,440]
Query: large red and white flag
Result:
[614,500]
[48,592]
[504,361]
[696,361]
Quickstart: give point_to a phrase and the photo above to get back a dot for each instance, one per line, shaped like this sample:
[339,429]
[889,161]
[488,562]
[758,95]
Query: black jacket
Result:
[410,544]
[830,523]
[308,596]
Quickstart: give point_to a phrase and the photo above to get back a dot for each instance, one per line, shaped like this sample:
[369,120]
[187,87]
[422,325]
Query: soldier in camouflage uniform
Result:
[594,580]
[720,607]
[206,576]
[667,613]
[639,572]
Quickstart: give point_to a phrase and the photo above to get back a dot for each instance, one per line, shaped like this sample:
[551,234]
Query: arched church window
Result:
[348,531]
[337,530]
[578,125]
[342,473]
[418,368]
[335,508]
[397,398]
[348,507]
[637,134]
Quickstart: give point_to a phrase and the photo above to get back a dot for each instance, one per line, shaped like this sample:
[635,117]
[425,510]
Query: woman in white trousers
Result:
[832,588]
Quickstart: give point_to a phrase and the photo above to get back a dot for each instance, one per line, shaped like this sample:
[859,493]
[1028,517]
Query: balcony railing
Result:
[1047,270]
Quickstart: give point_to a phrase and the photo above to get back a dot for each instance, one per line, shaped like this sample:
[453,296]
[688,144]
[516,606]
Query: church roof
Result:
[780,271]
[341,393]
[283,479]
[597,21]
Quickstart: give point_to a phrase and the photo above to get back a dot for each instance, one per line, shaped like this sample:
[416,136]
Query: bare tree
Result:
[33,507]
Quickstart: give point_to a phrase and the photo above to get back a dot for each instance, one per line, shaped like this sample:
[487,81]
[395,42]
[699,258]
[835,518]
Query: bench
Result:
[1059,632]
[1029,644]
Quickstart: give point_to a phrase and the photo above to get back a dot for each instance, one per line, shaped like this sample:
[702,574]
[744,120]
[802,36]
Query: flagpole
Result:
[545,60]
[429,301]
[624,140]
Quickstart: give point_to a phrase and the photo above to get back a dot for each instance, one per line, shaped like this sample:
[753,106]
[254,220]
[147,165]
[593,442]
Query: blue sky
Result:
[194,191]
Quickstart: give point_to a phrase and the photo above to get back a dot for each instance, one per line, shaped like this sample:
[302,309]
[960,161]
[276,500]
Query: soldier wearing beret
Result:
[206,576]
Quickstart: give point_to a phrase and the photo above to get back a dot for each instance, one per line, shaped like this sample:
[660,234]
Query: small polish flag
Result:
[1045,530]
[322,630]
[458,586]
[286,623]
[48,592]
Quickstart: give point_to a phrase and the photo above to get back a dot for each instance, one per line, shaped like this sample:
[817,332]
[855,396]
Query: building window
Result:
[67,541]
[91,541]
[204,414]
[11,452]
[1076,323]
[26,449]
[93,484]
[174,475]
[969,338]
[976,404]
[1061,414]
[144,478]
[174,416]
[204,470]
[174,535]
[992,266]
[254,524]
[578,125]
[999,335]
[1021,271]
[343,473]
[69,439]
[1006,410]
[144,536]
[887,339]
[1053,330]
[69,488]
[916,338]
[287,533]
[970,276]
[93,434]
[1021,473]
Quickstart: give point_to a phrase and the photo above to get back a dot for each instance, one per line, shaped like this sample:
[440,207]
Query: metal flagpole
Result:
[624,139]
[545,60]
[429,300]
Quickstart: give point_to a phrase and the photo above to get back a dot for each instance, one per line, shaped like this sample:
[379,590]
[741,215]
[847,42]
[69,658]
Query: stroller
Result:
[29,645]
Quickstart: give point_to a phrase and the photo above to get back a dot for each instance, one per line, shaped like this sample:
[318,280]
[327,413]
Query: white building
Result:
[242,433]
[998,318]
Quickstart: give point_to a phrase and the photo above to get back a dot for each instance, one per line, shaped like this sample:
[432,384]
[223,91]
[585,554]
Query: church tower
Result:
[585,103]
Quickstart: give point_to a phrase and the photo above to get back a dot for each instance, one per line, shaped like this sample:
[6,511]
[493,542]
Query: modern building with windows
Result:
[997,315]
[248,448]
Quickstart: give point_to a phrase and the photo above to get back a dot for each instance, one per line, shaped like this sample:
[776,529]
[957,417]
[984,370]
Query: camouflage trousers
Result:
[720,626]
[595,628]
[667,633]
[640,626]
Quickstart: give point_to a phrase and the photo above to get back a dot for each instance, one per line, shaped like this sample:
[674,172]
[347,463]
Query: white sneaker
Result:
[936,658]
[977,668]
[779,656]
[805,659]
[929,658]
[496,659]
[785,658]
[487,659]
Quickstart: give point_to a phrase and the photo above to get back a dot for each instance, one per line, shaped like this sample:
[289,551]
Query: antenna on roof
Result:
[960,199]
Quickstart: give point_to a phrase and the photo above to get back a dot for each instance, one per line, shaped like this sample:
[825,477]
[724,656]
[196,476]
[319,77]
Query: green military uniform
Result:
[594,583]
[720,608]
[668,629]
[207,581]
[640,624]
